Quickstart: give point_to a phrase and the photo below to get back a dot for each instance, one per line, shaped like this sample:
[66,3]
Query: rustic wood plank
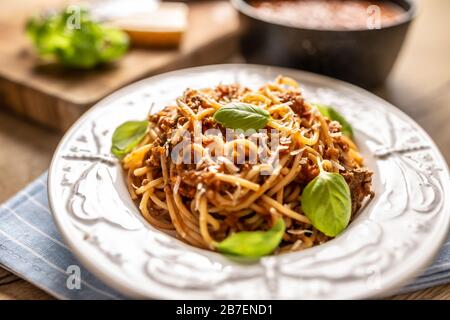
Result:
[423,65]
[435,293]
[22,290]
[24,153]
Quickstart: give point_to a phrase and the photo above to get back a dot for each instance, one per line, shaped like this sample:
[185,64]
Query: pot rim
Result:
[246,9]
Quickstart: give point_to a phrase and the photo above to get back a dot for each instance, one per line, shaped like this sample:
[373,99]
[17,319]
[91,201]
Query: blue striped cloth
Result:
[31,247]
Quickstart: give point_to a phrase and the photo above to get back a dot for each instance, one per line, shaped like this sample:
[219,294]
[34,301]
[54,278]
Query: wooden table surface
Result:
[419,85]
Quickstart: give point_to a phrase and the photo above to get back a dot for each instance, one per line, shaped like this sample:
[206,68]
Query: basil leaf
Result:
[127,136]
[244,116]
[326,201]
[332,114]
[253,244]
[113,45]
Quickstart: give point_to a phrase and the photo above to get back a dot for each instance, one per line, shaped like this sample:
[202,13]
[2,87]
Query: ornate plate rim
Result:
[80,248]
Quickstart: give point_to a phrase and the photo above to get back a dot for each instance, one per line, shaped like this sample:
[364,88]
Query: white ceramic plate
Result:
[392,240]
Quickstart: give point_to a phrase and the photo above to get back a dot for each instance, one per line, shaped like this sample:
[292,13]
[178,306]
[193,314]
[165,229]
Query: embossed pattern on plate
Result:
[394,237]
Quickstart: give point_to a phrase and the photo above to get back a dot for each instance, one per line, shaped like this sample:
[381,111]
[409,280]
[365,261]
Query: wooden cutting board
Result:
[56,97]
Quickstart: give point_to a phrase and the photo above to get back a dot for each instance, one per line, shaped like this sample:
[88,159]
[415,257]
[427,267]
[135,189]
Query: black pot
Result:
[364,57]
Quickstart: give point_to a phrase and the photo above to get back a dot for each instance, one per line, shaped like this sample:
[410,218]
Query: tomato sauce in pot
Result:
[331,14]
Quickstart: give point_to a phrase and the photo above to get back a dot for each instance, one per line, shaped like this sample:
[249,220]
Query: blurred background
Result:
[58,58]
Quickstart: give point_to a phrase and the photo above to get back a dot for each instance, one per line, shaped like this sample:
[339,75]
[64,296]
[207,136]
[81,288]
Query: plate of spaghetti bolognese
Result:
[252,182]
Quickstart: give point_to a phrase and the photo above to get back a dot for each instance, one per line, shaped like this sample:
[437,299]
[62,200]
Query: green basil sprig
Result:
[244,116]
[75,39]
[127,136]
[332,114]
[326,201]
[253,244]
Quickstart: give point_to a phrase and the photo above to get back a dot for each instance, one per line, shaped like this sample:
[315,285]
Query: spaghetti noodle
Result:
[204,201]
